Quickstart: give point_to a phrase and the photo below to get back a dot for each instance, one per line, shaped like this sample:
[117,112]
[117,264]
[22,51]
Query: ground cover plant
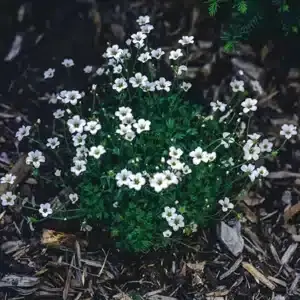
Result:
[134,156]
[243,19]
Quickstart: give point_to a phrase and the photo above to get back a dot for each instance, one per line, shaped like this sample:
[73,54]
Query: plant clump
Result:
[135,157]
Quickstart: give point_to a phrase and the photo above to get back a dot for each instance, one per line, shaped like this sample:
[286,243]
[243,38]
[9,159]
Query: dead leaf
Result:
[253,200]
[55,239]
[291,211]
[249,214]
[258,275]
[197,267]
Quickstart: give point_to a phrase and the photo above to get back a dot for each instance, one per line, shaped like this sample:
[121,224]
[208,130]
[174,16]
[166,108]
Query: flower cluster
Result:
[130,146]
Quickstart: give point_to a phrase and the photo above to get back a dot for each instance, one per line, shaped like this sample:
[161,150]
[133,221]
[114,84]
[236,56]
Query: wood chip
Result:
[291,211]
[68,279]
[258,275]
[232,268]
[289,253]
[278,281]
[283,174]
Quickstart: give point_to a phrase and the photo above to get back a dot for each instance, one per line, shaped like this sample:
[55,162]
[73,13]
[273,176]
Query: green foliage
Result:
[241,18]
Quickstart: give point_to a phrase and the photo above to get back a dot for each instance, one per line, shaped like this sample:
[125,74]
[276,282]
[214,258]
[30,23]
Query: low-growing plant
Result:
[136,158]
[243,18]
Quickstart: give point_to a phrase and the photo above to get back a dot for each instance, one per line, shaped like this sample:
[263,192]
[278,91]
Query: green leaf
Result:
[213,7]
[242,7]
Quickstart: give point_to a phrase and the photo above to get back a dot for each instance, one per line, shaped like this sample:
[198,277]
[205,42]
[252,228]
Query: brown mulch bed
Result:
[39,263]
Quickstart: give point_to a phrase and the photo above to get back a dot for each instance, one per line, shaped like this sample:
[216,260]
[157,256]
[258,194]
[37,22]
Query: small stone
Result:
[231,238]
[286,197]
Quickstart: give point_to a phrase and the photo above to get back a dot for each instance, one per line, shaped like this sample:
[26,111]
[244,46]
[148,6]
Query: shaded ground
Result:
[81,266]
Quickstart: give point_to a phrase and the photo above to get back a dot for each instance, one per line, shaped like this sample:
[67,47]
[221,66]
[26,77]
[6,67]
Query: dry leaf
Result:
[291,211]
[198,267]
[249,214]
[56,239]
[253,200]
[258,275]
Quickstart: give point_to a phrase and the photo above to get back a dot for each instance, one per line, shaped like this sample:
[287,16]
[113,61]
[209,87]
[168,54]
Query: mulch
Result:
[52,261]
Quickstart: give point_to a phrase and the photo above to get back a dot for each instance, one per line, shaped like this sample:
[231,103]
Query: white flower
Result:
[82,151]
[8,199]
[51,98]
[211,156]
[129,135]
[123,129]
[218,105]
[163,84]
[123,178]
[175,152]
[120,84]
[147,28]
[251,151]
[35,158]
[185,86]
[167,233]
[176,222]
[142,125]
[117,69]
[198,156]
[123,112]
[96,152]
[68,62]
[168,213]
[157,53]
[79,167]
[142,20]
[256,86]
[250,171]
[116,204]
[71,97]
[138,80]
[262,171]
[237,86]
[76,124]
[266,146]
[181,69]
[227,140]
[22,131]
[136,181]
[254,137]
[175,164]
[113,52]
[88,69]
[186,170]
[185,40]
[93,127]
[8,178]
[49,73]
[100,71]
[249,105]
[45,209]
[57,173]
[170,177]
[288,131]
[144,57]
[128,119]
[52,142]
[226,204]
[59,113]
[148,86]
[112,62]
[174,55]
[74,198]
[194,227]
[158,182]
[79,139]
[138,38]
